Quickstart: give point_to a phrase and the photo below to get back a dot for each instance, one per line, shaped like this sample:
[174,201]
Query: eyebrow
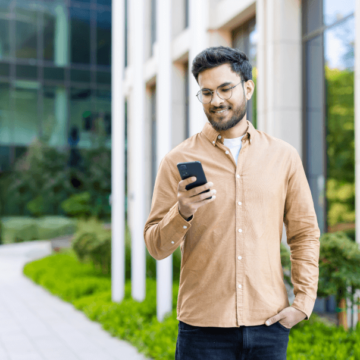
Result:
[224,84]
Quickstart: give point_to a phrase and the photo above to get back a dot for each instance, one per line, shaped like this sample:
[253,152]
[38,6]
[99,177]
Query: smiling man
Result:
[232,301]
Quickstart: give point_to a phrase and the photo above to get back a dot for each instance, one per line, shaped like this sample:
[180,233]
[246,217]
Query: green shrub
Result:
[339,266]
[92,242]
[78,205]
[90,291]
[18,229]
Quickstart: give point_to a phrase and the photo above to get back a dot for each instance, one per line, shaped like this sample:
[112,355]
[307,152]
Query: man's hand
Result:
[289,317]
[191,200]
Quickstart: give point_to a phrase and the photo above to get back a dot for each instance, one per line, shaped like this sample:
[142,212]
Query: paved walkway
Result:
[35,325]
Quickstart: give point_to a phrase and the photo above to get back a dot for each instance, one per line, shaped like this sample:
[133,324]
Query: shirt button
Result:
[213,142]
[219,137]
[226,152]
[172,242]
[239,202]
[240,230]
[237,175]
[240,286]
[185,227]
[239,257]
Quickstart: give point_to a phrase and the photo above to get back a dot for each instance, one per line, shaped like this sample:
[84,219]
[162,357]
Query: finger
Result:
[197,190]
[198,204]
[183,183]
[272,320]
[204,196]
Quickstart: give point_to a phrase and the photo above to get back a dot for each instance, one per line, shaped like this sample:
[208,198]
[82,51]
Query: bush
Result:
[92,242]
[90,291]
[18,229]
[78,205]
[339,266]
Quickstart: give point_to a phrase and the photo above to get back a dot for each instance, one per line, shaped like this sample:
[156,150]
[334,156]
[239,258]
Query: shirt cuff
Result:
[304,303]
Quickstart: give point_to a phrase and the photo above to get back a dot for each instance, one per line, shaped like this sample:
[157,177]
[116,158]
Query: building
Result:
[55,74]
[304,64]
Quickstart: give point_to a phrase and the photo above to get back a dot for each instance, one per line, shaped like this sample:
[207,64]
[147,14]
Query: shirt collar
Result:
[213,136]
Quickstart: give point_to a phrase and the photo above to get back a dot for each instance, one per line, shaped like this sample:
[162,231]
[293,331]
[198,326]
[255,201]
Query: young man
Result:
[232,301]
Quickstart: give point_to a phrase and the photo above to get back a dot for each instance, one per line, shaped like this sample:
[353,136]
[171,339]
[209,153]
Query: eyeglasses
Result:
[205,96]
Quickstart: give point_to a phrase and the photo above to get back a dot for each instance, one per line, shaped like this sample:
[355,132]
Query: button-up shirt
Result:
[231,273]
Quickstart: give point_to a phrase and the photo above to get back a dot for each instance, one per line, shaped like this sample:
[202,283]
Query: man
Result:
[232,301]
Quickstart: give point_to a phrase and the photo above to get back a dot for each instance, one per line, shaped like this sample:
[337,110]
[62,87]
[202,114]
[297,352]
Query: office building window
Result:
[5,14]
[6,125]
[244,38]
[26,30]
[328,48]
[103,38]
[80,35]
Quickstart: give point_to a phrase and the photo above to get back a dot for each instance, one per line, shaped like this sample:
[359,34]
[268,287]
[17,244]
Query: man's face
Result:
[223,114]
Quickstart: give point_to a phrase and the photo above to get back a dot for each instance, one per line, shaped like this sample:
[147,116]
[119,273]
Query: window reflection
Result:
[26,37]
[102,118]
[55,32]
[54,115]
[80,35]
[5,115]
[25,116]
[335,10]
[103,38]
[339,76]
[4,29]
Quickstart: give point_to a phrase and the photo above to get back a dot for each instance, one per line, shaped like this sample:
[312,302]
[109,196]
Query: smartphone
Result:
[193,168]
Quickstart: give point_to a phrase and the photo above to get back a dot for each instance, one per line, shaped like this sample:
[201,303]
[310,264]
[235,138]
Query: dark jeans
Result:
[260,342]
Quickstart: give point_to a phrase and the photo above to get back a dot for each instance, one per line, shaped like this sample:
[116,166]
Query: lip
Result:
[221,112]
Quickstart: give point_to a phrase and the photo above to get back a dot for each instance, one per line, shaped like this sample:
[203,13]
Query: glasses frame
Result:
[212,93]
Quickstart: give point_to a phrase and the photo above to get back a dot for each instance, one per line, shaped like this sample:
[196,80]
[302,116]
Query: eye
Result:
[206,93]
[225,90]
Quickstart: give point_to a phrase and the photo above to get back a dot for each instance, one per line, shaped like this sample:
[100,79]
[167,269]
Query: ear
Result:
[249,89]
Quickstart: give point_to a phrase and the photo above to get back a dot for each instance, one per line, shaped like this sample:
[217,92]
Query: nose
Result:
[216,100]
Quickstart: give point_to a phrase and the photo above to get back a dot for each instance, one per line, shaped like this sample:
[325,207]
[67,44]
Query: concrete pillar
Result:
[163,146]
[118,154]
[278,60]
[59,134]
[199,40]
[137,149]
[61,53]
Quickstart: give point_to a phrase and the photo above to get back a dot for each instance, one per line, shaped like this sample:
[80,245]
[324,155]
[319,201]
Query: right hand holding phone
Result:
[191,200]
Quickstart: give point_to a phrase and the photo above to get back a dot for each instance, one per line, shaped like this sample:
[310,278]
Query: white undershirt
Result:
[234,145]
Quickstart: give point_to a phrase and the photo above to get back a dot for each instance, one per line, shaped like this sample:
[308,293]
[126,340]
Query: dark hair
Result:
[219,55]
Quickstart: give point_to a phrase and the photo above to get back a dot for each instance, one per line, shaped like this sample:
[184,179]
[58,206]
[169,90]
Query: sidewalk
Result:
[35,325]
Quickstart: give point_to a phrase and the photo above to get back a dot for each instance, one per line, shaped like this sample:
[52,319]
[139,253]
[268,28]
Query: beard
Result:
[238,115]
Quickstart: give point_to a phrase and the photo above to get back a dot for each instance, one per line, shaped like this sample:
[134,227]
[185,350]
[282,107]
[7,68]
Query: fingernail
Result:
[194,178]
[268,323]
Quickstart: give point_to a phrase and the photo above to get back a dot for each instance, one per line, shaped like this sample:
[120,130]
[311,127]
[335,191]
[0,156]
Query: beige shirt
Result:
[231,273]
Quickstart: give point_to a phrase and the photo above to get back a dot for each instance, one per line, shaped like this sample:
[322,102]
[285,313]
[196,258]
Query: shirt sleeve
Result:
[303,235]
[165,227]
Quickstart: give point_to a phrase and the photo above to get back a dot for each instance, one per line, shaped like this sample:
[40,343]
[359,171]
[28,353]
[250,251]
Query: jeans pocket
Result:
[282,326]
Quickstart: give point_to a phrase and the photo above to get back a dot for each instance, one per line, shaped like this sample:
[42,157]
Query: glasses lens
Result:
[204,96]
[224,93]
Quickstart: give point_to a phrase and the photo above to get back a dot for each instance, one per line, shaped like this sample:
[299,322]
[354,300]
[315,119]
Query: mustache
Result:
[220,108]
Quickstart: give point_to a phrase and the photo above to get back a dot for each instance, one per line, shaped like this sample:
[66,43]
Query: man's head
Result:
[217,69]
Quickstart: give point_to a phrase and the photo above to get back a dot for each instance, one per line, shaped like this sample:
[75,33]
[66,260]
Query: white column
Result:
[137,149]
[59,134]
[357,126]
[61,55]
[278,60]
[199,40]
[163,146]
[117,154]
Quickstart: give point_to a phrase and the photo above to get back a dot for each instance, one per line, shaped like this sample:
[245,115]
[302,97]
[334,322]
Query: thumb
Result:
[272,320]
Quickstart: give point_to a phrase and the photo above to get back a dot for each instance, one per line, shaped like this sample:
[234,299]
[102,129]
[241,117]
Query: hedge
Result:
[89,290]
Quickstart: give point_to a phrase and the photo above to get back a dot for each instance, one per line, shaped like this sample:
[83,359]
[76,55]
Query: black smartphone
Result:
[193,168]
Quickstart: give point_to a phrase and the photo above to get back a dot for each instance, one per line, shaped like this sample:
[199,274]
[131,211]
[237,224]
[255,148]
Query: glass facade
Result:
[328,115]
[328,59]
[244,38]
[55,74]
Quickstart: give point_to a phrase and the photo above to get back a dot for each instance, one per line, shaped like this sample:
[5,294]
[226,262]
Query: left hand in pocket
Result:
[287,317]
